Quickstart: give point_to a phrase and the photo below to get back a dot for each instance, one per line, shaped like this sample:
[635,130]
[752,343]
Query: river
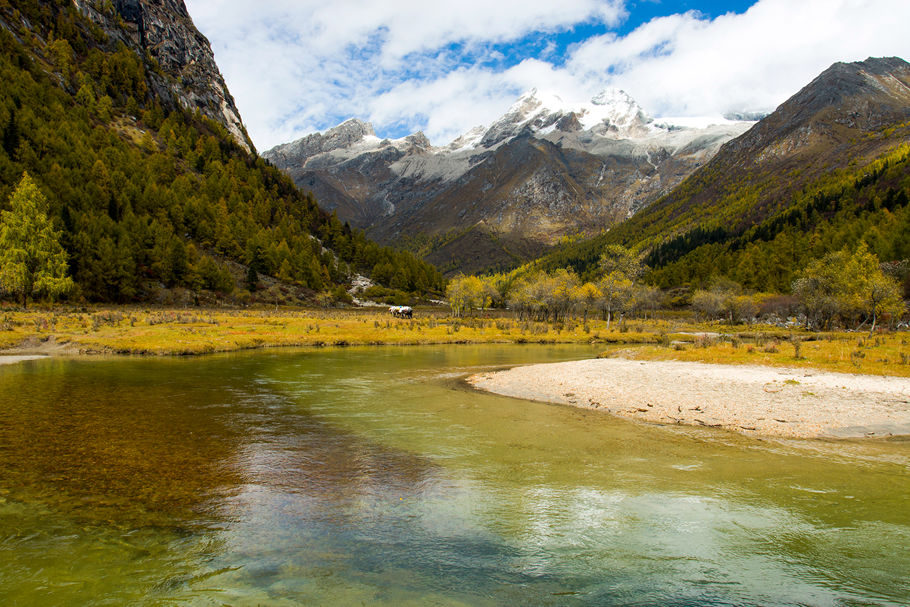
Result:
[374,476]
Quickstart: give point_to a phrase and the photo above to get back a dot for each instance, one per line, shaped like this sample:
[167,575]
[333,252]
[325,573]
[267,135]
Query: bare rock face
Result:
[845,99]
[189,76]
[545,169]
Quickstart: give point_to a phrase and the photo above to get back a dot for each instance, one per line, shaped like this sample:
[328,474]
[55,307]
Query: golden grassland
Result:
[879,354]
[127,330]
[153,331]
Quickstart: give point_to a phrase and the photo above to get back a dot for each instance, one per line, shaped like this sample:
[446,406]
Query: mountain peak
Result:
[351,128]
[532,103]
[875,75]
[876,65]
[612,97]
[611,113]
[615,110]
[346,134]
[862,94]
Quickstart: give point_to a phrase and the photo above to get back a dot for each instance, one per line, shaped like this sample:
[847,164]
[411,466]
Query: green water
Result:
[373,476]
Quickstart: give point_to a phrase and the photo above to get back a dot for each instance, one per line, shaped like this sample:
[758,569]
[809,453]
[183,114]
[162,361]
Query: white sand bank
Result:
[754,400]
[11,360]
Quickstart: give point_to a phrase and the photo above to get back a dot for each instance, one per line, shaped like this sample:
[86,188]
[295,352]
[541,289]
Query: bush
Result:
[392,297]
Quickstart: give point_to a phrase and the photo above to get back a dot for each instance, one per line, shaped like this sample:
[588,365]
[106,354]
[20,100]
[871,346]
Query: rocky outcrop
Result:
[342,136]
[545,169]
[189,77]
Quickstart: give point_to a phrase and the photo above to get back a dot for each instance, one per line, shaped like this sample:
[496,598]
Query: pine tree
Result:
[32,260]
[11,136]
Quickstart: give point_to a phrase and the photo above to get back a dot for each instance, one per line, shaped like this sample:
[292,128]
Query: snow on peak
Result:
[614,97]
[469,140]
[532,105]
[610,107]
[612,113]
[613,110]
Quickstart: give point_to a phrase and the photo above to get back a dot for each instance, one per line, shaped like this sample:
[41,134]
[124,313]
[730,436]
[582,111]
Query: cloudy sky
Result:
[444,66]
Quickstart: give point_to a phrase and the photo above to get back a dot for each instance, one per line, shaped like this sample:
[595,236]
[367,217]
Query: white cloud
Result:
[292,65]
[295,67]
[686,65]
[450,105]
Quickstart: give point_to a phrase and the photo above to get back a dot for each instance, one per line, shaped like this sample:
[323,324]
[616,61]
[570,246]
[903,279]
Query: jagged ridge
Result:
[546,168]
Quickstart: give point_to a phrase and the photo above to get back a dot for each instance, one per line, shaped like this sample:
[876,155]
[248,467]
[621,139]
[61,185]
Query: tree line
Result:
[543,296]
[864,202]
[844,288]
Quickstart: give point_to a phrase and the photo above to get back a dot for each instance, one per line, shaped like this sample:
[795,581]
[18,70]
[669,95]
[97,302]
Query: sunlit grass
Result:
[880,354]
[161,332]
[146,331]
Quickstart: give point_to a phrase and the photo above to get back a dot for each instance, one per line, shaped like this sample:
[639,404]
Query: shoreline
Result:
[134,331]
[749,399]
[12,359]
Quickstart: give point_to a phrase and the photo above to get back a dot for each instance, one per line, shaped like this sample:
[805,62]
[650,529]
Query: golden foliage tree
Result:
[32,260]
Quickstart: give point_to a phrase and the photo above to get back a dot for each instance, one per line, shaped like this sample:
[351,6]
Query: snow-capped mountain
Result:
[611,114]
[348,139]
[500,193]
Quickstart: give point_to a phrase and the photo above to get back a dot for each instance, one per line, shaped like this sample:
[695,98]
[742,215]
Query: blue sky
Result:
[297,66]
[643,11]
[555,46]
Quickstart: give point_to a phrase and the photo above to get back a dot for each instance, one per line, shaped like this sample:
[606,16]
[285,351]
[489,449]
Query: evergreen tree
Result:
[137,183]
[32,260]
[11,135]
[252,279]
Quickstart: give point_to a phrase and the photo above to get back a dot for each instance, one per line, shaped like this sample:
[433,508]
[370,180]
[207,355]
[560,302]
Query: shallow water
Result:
[372,475]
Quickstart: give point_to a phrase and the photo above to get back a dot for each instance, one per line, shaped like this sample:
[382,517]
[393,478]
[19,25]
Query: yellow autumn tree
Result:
[32,260]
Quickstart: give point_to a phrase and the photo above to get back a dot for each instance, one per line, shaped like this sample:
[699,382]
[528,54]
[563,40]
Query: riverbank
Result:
[753,400]
[134,330]
[167,332]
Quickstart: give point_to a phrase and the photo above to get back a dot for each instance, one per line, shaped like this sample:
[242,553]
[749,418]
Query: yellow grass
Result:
[193,331]
[881,354]
[150,331]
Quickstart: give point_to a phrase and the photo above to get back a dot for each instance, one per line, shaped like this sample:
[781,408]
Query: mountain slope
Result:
[545,169]
[827,168]
[841,118]
[188,75]
[154,197]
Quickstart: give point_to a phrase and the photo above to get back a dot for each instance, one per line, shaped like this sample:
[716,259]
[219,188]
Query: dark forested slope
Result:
[149,178]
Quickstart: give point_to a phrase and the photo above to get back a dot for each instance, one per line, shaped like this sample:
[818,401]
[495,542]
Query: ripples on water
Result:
[374,476]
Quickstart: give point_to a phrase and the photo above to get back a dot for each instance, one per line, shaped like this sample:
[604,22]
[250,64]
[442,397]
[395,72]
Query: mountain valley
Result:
[503,194]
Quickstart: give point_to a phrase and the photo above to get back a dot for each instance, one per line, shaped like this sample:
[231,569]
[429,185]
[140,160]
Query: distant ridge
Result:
[830,167]
[502,194]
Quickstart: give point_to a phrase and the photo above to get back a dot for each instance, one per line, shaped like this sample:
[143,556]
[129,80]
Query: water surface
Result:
[374,476]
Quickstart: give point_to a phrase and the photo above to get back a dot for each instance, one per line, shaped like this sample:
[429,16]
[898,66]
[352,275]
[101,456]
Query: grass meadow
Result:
[192,331]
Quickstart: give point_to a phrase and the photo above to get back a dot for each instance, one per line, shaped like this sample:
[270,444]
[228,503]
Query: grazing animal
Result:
[401,311]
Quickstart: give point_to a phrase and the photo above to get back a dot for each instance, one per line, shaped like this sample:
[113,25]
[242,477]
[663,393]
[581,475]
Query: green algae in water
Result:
[372,475]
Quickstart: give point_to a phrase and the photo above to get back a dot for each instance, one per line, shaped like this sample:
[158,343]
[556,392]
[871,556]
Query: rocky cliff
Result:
[503,193]
[189,76]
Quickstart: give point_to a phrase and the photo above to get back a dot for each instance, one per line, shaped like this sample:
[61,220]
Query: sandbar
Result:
[753,400]
[6,359]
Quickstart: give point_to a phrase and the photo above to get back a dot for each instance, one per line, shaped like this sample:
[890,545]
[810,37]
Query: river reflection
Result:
[345,476]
